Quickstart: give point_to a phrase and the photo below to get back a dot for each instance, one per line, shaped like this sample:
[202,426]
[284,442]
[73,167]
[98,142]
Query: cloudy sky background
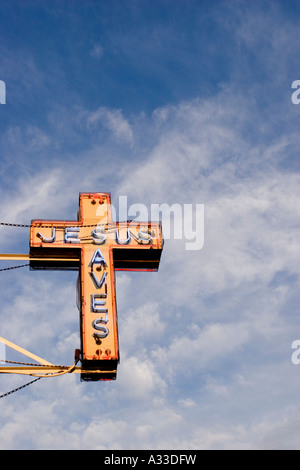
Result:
[183,102]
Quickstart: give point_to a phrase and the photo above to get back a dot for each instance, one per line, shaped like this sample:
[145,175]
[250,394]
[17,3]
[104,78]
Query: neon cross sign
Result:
[102,247]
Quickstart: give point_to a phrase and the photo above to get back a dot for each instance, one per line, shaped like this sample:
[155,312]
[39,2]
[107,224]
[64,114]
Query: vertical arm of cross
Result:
[99,329]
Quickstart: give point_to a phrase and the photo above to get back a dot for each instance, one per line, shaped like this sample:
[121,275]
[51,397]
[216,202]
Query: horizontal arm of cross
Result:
[58,245]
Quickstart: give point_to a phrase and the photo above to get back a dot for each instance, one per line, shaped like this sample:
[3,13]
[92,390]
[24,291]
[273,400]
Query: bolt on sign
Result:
[103,247]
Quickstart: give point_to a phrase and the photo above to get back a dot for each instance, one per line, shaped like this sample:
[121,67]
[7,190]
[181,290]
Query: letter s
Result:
[98,235]
[296,354]
[295,96]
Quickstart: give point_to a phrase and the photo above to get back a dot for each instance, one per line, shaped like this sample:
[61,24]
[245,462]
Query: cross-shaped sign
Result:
[102,247]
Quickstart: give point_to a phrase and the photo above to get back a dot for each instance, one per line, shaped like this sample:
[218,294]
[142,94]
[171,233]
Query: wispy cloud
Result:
[112,120]
[96,51]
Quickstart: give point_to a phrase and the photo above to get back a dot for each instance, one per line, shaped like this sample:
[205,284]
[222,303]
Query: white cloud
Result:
[140,325]
[96,51]
[138,380]
[114,121]
[36,193]
[31,139]
[187,403]
[283,434]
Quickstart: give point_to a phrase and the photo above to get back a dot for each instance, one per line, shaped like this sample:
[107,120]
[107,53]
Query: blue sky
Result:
[165,102]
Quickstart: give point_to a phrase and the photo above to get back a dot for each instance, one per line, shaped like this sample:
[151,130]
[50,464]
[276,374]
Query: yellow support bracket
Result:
[54,371]
[25,352]
[47,369]
[24,257]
